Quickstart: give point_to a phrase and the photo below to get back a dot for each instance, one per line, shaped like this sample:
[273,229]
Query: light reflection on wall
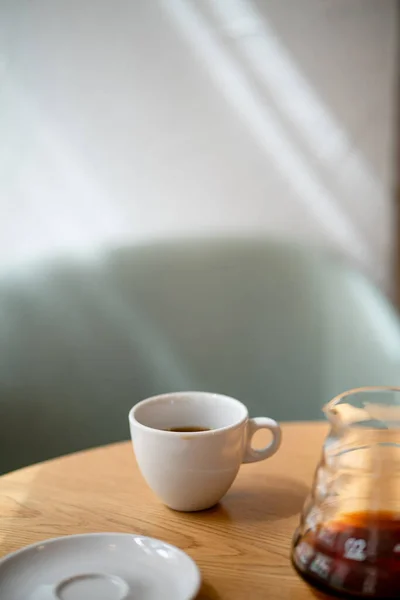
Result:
[56,201]
[266,127]
[274,68]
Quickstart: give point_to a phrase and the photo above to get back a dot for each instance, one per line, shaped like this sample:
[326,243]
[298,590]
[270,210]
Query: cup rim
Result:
[181,396]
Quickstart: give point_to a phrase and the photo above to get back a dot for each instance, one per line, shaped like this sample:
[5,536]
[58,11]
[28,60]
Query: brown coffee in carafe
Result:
[357,554]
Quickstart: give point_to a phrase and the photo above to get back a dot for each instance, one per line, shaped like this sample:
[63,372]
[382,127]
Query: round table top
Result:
[242,545]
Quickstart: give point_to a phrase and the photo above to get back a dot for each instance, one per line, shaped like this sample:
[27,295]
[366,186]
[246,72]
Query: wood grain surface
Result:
[242,545]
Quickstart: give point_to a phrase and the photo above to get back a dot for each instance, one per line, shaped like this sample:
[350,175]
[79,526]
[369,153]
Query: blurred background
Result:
[144,147]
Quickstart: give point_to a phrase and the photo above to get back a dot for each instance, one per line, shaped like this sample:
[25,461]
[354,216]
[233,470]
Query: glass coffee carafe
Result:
[348,540]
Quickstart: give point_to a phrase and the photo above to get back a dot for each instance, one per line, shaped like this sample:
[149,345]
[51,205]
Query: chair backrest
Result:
[280,327]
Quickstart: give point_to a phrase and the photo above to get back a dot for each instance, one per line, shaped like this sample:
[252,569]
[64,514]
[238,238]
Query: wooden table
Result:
[241,546]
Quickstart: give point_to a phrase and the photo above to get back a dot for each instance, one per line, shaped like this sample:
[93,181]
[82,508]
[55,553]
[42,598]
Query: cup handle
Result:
[253,455]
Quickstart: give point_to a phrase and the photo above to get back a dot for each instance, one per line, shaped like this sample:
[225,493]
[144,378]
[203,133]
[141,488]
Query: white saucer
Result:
[99,566]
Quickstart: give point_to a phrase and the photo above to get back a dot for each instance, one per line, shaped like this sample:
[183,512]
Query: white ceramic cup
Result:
[193,470]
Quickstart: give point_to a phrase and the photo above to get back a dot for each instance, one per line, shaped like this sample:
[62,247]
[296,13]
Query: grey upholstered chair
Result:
[280,327]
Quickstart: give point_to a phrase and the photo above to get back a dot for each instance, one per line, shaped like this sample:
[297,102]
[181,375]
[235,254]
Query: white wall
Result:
[127,120]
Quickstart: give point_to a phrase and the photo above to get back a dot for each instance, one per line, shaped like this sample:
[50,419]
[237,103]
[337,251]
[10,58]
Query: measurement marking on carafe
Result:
[304,553]
[339,575]
[327,537]
[321,566]
[314,518]
[354,549]
[369,585]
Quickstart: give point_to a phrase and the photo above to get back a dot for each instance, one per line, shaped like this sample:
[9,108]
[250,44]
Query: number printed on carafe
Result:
[354,549]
